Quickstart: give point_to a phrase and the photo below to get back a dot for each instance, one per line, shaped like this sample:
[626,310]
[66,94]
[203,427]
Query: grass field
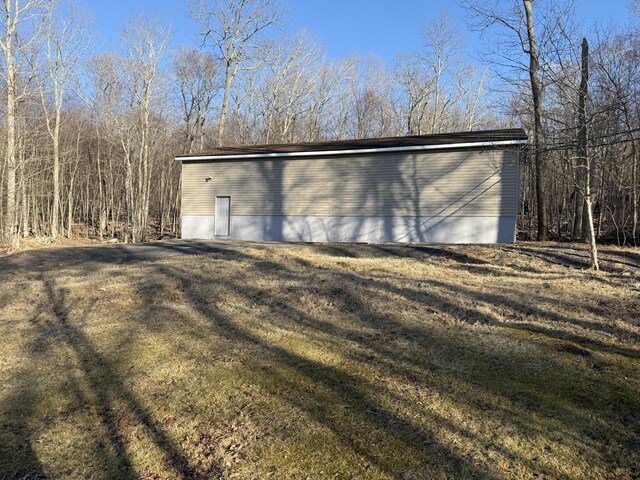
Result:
[219,360]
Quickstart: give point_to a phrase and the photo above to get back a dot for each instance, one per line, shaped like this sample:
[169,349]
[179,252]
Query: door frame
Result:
[215,222]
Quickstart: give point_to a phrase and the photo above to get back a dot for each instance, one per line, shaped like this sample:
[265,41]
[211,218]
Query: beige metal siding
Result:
[447,183]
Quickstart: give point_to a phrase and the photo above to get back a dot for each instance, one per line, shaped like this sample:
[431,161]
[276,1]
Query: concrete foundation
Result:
[356,229]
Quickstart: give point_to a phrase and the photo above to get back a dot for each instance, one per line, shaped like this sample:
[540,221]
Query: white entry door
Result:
[223,215]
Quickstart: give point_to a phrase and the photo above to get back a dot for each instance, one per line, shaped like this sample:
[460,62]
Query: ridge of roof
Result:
[406,142]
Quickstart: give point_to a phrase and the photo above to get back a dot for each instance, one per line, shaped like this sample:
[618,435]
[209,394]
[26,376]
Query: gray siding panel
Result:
[463,183]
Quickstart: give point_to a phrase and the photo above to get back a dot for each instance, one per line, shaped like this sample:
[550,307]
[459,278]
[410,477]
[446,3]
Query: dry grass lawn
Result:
[222,360]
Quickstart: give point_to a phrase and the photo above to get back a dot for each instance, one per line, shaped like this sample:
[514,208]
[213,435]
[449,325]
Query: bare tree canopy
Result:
[235,28]
[90,134]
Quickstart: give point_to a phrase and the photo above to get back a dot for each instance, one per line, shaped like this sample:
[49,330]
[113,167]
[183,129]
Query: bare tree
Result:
[583,149]
[536,96]
[441,90]
[107,102]
[618,66]
[442,46]
[146,43]
[65,38]
[234,27]
[370,97]
[285,84]
[124,92]
[323,119]
[418,89]
[516,19]
[14,14]
[196,75]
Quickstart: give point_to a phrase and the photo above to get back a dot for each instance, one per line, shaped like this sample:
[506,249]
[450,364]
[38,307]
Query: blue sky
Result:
[381,27]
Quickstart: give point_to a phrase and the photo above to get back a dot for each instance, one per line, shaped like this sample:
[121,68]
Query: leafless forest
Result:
[89,138]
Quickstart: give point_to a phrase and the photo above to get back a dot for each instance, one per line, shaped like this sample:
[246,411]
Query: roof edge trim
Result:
[319,153]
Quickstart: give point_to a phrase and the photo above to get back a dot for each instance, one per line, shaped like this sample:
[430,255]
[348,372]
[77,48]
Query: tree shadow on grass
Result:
[500,299]
[86,258]
[17,456]
[99,388]
[433,300]
[422,252]
[574,257]
[291,374]
[362,403]
[506,298]
[424,358]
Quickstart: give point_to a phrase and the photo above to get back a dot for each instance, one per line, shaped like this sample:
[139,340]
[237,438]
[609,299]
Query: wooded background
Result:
[89,140]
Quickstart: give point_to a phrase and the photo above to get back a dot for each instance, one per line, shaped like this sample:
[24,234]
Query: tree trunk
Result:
[634,194]
[579,201]
[25,202]
[11,216]
[583,151]
[55,211]
[536,91]
[228,79]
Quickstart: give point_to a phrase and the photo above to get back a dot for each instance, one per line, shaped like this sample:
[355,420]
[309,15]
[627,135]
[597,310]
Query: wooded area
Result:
[90,138]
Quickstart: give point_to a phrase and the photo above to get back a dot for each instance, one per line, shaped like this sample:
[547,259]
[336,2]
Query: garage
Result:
[445,188]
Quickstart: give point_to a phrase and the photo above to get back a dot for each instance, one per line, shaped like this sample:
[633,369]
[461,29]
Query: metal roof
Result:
[487,138]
